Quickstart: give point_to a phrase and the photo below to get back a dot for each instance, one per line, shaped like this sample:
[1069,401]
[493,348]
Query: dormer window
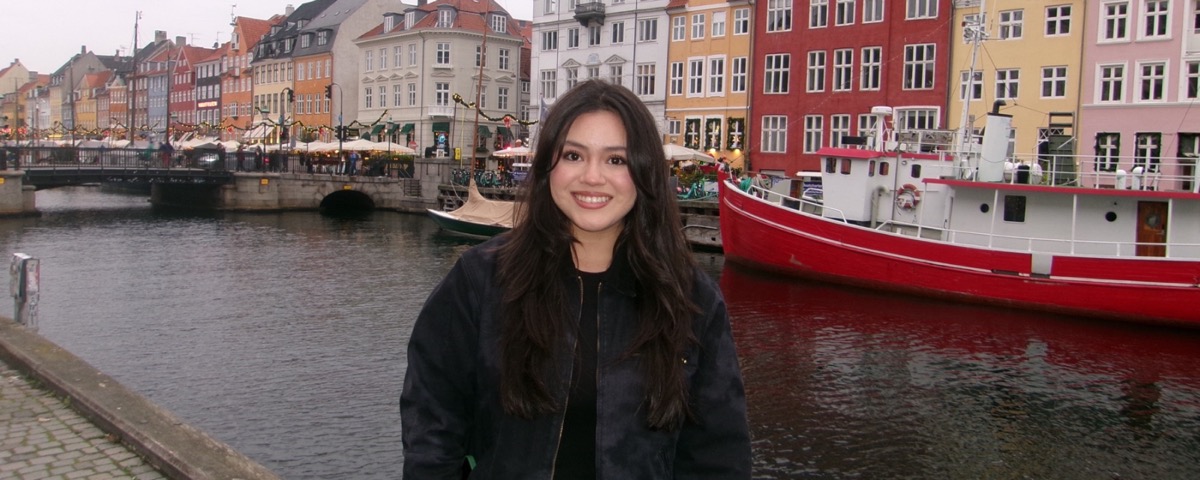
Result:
[322,37]
[445,18]
[274,30]
[306,40]
[409,19]
[389,22]
[499,24]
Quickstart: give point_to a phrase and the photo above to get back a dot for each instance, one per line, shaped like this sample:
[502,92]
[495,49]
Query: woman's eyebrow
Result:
[610,148]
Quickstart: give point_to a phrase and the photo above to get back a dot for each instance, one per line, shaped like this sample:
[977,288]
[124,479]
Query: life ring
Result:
[908,197]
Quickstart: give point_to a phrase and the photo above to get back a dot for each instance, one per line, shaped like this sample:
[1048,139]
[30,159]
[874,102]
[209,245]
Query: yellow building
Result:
[708,76]
[1030,58]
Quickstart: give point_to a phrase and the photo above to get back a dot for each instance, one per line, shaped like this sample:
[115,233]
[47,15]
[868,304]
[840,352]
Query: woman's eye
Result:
[571,156]
[616,160]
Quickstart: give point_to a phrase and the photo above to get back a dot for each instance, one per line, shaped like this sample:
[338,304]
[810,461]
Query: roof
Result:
[475,22]
[253,29]
[290,27]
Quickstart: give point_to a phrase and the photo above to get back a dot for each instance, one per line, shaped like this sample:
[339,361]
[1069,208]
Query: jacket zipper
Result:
[562,424]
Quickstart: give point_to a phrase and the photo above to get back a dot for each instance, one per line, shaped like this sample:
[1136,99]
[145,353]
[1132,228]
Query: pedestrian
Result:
[241,157]
[258,158]
[165,150]
[585,342]
[352,165]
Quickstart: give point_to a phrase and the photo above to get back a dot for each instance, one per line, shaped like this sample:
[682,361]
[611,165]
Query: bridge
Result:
[212,181]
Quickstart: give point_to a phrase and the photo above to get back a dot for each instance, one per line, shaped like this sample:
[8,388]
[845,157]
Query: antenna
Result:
[233,15]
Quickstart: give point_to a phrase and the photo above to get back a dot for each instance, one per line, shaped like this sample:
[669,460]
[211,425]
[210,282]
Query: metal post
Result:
[24,285]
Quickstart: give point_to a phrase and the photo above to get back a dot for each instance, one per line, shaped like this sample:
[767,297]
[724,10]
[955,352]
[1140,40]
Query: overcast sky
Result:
[44,34]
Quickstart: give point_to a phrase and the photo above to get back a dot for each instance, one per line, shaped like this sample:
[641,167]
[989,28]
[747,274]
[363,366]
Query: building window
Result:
[644,84]
[443,54]
[618,33]
[322,37]
[1112,83]
[673,126]
[779,15]
[368,65]
[716,76]
[813,129]
[397,97]
[695,77]
[593,35]
[1147,151]
[1108,151]
[549,6]
[367,97]
[916,119]
[549,41]
[397,56]
[572,76]
[921,9]
[647,30]
[445,18]
[844,13]
[499,23]
[872,11]
[1115,21]
[777,68]
[412,55]
[1156,19]
[816,72]
[970,82]
[867,126]
[818,13]
[478,55]
[503,62]
[593,71]
[678,28]
[441,94]
[616,74]
[872,64]
[1192,82]
[1007,84]
[918,67]
[741,21]
[409,18]
[737,79]
[774,134]
[843,70]
[382,92]
[676,78]
[502,98]
[718,24]
[1054,82]
[549,83]
[698,21]
[1011,24]
[383,59]
[1058,20]
[1152,83]
[839,127]
[412,94]
[573,37]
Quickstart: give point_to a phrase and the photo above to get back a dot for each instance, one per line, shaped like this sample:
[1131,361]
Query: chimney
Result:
[83,49]
[160,36]
[289,10]
[180,40]
[421,3]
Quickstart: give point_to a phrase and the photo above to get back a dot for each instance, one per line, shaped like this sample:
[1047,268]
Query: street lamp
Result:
[341,128]
[283,128]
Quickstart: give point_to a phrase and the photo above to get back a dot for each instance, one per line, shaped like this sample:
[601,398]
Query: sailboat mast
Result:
[479,85]
[131,86]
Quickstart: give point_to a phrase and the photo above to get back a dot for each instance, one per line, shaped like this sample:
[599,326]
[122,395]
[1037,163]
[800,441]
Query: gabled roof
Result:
[289,28]
[253,29]
[10,67]
[469,17]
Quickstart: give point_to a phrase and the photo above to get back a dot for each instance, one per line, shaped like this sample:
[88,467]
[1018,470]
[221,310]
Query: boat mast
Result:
[479,85]
[975,33]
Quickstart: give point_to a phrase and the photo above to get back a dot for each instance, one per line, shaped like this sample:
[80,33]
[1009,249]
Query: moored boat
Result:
[479,216]
[960,220]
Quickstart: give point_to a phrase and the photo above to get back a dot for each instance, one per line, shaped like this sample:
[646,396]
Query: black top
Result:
[577,449]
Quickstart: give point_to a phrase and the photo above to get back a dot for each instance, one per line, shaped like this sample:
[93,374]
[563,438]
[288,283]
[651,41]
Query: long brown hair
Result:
[532,264]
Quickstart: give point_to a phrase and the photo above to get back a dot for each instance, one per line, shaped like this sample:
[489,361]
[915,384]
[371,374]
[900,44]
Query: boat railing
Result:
[1060,246]
[806,204]
[1172,174]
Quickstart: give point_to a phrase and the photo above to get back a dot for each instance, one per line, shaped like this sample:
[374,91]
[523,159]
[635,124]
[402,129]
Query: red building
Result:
[821,65]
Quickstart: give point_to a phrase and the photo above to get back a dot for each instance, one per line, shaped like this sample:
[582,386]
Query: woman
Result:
[585,343]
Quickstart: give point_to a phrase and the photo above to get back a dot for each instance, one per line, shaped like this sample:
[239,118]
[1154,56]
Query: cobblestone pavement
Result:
[41,438]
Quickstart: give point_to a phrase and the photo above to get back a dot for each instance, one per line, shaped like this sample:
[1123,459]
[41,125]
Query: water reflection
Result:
[845,383]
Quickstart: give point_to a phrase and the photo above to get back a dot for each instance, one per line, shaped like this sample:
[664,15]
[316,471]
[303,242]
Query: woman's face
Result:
[591,183]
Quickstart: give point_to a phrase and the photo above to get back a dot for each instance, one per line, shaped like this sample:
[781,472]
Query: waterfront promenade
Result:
[62,419]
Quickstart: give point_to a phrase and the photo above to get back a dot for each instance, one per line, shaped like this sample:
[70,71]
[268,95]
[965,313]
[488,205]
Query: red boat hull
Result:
[770,237]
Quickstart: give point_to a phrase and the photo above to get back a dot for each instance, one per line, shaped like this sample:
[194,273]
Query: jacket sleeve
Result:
[436,406]
[717,444]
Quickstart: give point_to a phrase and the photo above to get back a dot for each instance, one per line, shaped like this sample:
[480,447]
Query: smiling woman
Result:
[593,295]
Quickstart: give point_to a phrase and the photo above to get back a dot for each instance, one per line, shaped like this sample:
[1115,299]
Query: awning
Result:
[504,131]
[484,131]
[441,126]
[406,129]
[392,128]
[376,129]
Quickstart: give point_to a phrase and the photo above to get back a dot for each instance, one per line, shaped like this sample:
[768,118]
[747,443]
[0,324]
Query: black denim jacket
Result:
[450,406]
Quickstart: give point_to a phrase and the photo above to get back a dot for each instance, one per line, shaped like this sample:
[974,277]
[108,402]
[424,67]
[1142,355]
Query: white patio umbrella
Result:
[679,152]
[513,152]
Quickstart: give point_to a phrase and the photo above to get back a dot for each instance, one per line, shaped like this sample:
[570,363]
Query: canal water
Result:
[284,335]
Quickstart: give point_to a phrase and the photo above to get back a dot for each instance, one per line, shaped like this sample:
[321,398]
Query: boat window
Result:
[883,168]
[1014,208]
[845,166]
[830,165]
[916,170]
[871,168]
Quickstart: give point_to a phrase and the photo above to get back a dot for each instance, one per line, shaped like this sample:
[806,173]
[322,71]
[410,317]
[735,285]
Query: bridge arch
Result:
[347,200]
